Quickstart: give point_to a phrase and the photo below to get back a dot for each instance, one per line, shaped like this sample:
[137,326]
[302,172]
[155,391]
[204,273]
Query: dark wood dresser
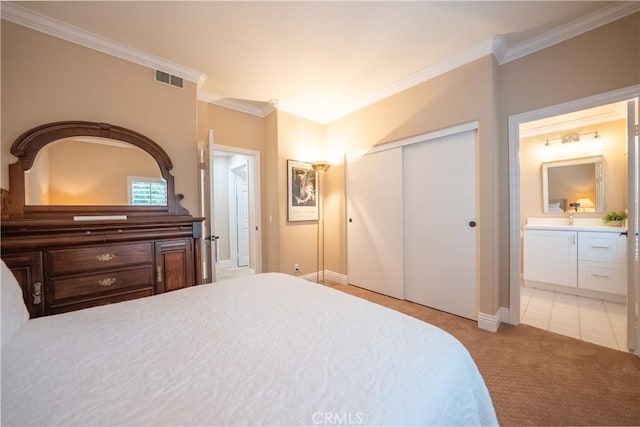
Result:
[69,265]
[69,257]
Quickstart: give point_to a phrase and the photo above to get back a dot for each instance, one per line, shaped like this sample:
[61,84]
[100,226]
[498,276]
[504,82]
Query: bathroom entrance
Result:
[573,164]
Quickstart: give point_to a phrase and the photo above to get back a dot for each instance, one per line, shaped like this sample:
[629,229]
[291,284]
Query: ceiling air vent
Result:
[169,79]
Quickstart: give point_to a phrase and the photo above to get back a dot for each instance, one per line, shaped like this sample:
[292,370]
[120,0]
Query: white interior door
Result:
[242,216]
[440,223]
[374,222]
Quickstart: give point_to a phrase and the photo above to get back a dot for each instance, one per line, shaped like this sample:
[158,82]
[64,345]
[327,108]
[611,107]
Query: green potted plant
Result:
[614,219]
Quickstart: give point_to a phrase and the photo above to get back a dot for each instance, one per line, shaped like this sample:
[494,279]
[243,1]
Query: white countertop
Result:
[579,224]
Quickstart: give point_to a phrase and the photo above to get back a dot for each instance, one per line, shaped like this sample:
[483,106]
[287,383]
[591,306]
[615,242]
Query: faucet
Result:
[571,218]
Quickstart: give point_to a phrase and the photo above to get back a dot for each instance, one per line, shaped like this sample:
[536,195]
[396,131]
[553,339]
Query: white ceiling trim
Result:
[53,27]
[565,32]
[234,104]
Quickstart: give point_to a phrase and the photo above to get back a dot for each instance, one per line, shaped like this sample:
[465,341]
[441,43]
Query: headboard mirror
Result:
[573,185]
[79,167]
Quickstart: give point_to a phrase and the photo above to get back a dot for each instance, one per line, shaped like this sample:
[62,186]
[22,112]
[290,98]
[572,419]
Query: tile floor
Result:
[596,321]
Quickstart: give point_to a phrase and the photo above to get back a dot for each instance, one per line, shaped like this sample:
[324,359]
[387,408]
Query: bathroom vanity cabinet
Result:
[590,261]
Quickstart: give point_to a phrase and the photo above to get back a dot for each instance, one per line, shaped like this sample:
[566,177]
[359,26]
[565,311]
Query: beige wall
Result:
[298,139]
[45,79]
[270,199]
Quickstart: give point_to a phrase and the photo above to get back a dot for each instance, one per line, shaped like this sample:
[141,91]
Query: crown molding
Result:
[565,32]
[235,104]
[53,27]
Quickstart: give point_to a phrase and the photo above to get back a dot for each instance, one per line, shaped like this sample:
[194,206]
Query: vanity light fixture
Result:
[572,137]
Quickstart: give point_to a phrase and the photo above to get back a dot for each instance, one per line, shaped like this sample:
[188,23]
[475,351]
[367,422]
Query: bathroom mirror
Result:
[574,185]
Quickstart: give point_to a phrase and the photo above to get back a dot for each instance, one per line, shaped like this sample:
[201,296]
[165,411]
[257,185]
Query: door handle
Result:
[472,224]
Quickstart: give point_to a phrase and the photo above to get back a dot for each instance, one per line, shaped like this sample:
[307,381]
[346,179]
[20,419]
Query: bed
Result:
[267,350]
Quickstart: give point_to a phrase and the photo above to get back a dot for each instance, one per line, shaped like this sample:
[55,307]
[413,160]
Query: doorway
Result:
[234,213]
[599,126]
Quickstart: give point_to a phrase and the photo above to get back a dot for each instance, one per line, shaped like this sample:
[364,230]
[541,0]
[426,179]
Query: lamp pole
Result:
[320,167]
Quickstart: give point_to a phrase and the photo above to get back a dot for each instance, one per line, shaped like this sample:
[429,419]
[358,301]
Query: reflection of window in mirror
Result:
[146,191]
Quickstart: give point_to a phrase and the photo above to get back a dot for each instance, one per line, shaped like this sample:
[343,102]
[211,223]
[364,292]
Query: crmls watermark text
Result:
[337,418]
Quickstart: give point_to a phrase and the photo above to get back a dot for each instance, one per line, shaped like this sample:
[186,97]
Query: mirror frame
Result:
[27,146]
[598,161]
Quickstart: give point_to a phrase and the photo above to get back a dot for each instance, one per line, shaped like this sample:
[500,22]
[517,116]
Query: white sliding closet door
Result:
[440,229]
[374,222]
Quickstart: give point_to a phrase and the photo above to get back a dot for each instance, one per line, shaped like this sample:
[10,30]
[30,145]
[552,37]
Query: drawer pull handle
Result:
[600,247]
[603,276]
[37,293]
[108,281]
[105,257]
[159,274]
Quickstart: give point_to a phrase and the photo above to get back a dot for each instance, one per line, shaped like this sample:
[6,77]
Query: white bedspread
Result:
[269,350]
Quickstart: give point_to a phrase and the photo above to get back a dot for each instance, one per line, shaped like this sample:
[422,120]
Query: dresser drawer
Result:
[91,258]
[96,284]
[92,302]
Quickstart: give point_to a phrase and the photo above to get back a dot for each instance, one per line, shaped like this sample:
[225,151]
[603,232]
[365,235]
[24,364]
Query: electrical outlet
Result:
[296,267]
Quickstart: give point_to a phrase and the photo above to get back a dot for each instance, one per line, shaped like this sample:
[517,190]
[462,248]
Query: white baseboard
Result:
[491,322]
[335,277]
[328,275]
[224,263]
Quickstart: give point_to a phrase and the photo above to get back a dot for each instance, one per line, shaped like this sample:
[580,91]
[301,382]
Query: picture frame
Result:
[302,191]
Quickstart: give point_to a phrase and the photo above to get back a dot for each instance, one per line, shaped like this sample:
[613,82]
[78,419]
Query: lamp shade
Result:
[585,203]
[321,166]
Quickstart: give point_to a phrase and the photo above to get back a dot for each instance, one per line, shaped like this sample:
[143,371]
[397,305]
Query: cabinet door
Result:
[174,264]
[27,267]
[551,256]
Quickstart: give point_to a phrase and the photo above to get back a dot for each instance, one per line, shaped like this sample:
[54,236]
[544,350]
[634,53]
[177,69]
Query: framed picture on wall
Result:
[302,191]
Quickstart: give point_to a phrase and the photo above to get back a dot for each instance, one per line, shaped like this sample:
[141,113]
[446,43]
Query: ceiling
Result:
[318,60]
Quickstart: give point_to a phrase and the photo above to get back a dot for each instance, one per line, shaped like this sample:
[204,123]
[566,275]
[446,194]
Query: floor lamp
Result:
[321,168]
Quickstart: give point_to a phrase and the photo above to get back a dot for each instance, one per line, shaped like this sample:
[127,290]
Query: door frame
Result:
[255,204]
[618,95]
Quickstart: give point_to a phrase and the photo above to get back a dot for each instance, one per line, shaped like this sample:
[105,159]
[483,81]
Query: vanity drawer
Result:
[64,261]
[603,276]
[603,247]
[97,284]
